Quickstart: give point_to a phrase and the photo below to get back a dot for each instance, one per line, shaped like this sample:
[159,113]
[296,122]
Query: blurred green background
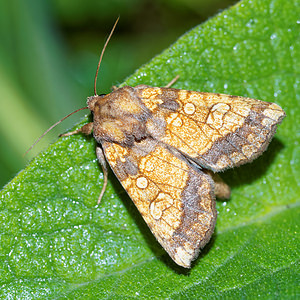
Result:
[49,53]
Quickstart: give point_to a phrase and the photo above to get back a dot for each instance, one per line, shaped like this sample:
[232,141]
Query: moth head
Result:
[119,116]
[91,101]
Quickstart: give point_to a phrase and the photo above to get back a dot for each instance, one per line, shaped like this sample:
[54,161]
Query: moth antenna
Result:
[51,127]
[95,91]
[101,55]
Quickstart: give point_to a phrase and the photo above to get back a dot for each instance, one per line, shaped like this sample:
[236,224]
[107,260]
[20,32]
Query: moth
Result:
[166,146]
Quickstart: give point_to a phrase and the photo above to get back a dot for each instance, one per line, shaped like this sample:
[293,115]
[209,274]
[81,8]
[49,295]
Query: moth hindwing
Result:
[165,146]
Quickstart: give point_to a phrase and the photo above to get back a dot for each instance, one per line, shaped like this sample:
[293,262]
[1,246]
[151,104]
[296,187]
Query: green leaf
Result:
[56,244]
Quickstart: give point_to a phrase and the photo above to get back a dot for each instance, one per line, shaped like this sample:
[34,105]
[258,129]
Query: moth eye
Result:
[101,95]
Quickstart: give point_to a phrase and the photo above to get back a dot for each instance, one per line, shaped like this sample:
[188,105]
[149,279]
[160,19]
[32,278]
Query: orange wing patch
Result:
[175,200]
[217,131]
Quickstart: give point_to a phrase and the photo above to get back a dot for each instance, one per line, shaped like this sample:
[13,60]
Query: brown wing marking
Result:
[175,200]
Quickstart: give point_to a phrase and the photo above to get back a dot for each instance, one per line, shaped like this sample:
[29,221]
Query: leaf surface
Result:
[54,243]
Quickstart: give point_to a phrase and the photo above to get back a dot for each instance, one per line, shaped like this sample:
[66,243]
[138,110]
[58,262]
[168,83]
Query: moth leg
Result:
[102,161]
[222,190]
[86,129]
[172,81]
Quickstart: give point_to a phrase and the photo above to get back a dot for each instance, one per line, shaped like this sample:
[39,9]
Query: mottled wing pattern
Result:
[217,131]
[175,199]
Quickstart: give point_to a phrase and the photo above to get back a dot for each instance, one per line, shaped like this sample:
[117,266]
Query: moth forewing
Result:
[218,131]
[175,199]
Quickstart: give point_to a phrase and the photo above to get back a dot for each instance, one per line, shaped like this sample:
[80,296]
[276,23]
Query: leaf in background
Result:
[34,82]
[55,244]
